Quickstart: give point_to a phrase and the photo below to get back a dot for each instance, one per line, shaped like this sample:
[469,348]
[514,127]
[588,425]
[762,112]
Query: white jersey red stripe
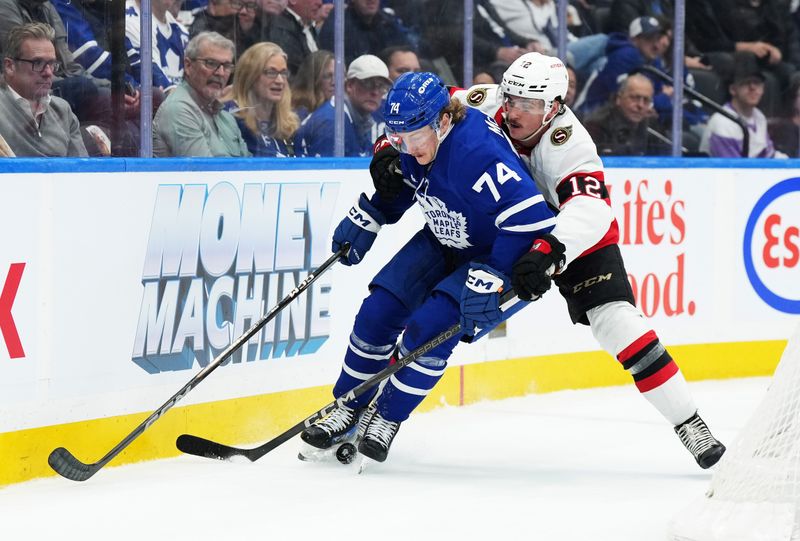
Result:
[565,151]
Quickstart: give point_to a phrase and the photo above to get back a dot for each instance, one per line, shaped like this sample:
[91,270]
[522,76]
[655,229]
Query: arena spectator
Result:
[763,28]
[443,35]
[366,84]
[399,59]
[191,121]
[168,44]
[491,74]
[646,42]
[33,123]
[85,22]
[313,85]
[623,128]
[537,20]
[263,101]
[88,97]
[623,12]
[295,31]
[241,21]
[723,137]
[369,30]
[572,88]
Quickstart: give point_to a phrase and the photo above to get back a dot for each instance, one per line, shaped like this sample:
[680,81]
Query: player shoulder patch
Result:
[561,135]
[476,97]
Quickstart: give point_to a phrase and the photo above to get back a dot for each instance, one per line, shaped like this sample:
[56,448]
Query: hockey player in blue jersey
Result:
[483,211]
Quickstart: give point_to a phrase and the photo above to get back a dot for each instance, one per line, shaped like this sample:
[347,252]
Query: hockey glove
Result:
[480,298]
[359,228]
[385,170]
[532,271]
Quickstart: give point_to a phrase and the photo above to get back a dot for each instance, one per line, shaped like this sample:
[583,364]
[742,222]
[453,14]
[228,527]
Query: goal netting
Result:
[755,490]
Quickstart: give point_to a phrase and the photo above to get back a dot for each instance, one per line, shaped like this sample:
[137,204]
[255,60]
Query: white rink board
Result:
[84,238]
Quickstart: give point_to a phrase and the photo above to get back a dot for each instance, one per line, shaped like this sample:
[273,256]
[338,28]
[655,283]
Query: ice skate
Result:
[705,448]
[378,438]
[334,428]
[310,452]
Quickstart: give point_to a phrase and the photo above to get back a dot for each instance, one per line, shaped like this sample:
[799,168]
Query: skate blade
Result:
[364,463]
[309,453]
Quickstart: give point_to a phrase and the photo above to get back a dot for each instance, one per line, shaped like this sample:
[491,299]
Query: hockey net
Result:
[755,490]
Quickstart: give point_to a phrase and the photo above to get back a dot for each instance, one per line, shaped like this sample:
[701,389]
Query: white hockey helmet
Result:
[538,76]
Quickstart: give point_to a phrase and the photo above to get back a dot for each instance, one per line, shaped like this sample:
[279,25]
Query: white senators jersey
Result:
[567,170]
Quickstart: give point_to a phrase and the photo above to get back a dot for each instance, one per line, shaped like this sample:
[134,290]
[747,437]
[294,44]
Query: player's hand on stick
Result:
[532,272]
[385,170]
[359,228]
[480,298]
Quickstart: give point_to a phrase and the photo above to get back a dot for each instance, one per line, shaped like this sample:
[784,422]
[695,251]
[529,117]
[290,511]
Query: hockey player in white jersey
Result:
[564,163]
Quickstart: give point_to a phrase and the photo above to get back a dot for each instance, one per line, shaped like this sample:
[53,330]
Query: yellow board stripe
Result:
[258,418]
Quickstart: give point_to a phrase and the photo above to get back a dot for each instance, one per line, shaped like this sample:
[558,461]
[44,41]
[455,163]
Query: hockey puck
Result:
[346,453]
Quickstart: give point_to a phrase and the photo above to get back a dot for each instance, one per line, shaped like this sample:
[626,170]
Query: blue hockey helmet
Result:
[415,101]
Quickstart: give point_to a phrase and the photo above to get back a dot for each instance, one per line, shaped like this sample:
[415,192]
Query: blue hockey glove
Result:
[480,298]
[532,271]
[359,228]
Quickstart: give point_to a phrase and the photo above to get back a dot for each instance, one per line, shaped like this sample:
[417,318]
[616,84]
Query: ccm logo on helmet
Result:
[515,83]
[425,85]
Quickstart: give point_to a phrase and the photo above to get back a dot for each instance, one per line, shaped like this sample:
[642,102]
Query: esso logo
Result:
[772,246]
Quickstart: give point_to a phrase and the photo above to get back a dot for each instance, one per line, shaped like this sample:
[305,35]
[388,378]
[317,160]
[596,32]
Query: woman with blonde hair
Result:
[263,101]
[313,84]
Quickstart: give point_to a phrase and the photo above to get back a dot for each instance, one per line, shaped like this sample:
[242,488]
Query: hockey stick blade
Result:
[65,464]
[195,445]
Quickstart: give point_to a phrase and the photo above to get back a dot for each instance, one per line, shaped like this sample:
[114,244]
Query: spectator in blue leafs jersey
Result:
[483,211]
[366,83]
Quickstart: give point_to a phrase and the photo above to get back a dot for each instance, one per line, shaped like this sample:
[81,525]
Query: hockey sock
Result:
[409,386]
[622,330]
[658,378]
[379,322]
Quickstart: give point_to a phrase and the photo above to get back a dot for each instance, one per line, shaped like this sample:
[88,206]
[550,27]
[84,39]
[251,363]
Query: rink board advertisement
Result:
[121,283]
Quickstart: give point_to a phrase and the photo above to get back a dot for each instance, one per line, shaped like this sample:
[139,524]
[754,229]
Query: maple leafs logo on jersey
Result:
[561,135]
[449,227]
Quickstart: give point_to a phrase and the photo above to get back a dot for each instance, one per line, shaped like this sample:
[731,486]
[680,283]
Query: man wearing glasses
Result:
[366,84]
[35,124]
[191,121]
[623,127]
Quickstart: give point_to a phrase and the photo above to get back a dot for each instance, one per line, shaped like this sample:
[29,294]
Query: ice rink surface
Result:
[597,465]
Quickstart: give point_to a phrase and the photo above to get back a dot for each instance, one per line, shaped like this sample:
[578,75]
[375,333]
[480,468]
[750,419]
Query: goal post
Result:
[755,490]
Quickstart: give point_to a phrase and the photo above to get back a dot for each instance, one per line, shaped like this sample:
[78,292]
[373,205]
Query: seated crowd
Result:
[256,77]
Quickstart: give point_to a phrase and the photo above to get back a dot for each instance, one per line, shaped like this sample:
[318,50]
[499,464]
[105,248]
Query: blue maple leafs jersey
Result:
[169,41]
[476,196]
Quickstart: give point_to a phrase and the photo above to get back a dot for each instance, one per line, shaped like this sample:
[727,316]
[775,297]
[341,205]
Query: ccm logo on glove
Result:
[359,229]
[363,220]
[481,281]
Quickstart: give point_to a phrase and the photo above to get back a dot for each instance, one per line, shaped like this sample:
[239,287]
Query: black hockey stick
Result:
[65,463]
[195,445]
